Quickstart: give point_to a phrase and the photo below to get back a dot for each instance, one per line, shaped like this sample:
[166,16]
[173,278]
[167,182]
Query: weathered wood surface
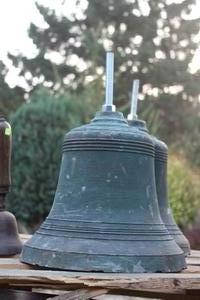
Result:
[15,274]
[13,271]
[83,294]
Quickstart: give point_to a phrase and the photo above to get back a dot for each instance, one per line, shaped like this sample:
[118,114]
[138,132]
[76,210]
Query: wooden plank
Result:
[25,237]
[82,294]
[16,274]
[193,261]
[13,263]
[151,282]
[192,269]
[119,292]
[195,253]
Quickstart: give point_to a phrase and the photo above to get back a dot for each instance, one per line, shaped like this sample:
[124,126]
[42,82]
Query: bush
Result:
[184,190]
[38,131]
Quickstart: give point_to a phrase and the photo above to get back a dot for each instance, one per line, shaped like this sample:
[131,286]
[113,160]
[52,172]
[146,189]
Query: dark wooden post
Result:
[5,159]
[10,243]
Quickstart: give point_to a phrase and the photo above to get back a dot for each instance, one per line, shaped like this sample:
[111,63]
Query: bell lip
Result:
[97,255]
[98,263]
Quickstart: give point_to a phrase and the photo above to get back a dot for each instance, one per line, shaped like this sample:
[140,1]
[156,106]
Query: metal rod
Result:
[134,100]
[108,106]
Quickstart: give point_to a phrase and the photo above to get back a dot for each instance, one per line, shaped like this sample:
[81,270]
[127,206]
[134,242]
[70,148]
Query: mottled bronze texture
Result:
[10,243]
[105,215]
[161,156]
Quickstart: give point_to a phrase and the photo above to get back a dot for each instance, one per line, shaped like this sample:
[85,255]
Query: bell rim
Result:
[115,264]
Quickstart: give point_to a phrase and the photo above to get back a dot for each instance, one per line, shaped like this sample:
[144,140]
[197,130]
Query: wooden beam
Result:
[82,294]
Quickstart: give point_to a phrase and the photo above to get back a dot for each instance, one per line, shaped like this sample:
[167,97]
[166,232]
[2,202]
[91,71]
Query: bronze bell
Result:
[161,155]
[105,214]
[10,243]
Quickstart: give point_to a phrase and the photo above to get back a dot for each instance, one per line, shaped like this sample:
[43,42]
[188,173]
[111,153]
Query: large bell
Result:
[161,155]
[105,214]
[10,243]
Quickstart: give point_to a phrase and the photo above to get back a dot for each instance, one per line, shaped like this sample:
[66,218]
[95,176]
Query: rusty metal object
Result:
[10,243]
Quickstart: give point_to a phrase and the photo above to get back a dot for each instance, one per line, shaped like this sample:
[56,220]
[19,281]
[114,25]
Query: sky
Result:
[15,18]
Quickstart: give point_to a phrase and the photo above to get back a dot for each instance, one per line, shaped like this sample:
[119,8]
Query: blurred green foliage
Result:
[10,98]
[190,141]
[184,190]
[38,131]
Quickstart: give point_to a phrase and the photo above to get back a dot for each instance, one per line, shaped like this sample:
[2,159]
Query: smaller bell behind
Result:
[161,156]
[10,243]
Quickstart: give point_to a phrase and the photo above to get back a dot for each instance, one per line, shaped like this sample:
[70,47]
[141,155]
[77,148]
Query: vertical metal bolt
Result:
[108,106]
[134,100]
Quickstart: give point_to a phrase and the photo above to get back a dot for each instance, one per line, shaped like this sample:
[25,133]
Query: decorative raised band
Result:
[108,145]
[161,155]
[101,230]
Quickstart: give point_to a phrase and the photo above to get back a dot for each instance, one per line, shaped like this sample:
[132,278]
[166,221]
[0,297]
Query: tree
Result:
[10,98]
[155,44]
[38,132]
[184,191]
[153,41]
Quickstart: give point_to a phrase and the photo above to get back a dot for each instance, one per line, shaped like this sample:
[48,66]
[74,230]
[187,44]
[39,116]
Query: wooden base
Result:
[61,285]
